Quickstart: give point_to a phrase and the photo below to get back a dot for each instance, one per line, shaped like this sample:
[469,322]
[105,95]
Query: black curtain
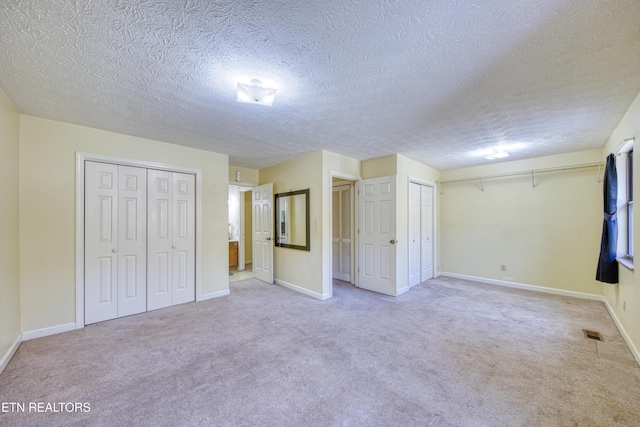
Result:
[607,265]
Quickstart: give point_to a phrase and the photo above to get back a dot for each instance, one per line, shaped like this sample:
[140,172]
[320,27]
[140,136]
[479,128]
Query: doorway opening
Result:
[239,233]
[343,231]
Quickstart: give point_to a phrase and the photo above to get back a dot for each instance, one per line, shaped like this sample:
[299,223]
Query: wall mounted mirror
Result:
[292,220]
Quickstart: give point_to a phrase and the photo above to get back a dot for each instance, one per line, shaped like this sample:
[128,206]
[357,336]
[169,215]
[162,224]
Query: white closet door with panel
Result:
[115,241]
[132,240]
[160,235]
[171,240]
[415,242]
[183,238]
[427,233]
[101,242]
[420,233]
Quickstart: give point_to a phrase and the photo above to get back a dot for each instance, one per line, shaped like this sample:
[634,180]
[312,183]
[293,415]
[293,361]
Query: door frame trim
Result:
[329,234]
[434,220]
[81,157]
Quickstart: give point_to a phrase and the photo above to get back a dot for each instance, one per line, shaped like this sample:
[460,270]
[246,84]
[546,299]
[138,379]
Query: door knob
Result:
[173,246]
[268,238]
[393,241]
[114,250]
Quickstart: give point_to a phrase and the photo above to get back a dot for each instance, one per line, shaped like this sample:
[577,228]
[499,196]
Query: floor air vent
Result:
[592,335]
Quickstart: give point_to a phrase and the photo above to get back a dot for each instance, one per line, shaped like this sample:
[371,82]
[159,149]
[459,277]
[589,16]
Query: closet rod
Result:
[528,172]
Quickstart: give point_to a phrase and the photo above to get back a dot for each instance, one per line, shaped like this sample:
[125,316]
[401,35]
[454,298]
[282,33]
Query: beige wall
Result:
[9,224]
[628,290]
[380,166]
[311,270]
[248,177]
[297,267]
[547,236]
[47,209]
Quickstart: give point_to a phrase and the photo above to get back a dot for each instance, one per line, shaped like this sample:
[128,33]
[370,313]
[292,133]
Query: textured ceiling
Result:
[441,82]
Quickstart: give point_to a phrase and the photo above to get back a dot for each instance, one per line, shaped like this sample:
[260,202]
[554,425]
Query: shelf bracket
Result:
[533,181]
[481,186]
[439,187]
[598,176]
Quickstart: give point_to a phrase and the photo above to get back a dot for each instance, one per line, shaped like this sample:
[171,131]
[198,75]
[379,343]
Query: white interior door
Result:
[101,246]
[426,201]
[262,206]
[341,231]
[415,236]
[132,240]
[160,236]
[183,242]
[377,238]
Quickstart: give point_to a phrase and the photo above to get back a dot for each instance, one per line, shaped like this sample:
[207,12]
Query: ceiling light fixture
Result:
[497,154]
[255,93]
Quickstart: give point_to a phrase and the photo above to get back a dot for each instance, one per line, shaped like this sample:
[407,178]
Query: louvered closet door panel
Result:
[101,246]
[336,233]
[183,238]
[345,230]
[132,240]
[159,237]
[341,237]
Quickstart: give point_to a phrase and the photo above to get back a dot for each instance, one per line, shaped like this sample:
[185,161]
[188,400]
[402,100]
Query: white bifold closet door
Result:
[341,233]
[171,239]
[426,262]
[420,233]
[115,241]
[415,239]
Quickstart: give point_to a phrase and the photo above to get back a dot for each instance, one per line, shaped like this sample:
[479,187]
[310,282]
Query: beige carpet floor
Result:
[447,353]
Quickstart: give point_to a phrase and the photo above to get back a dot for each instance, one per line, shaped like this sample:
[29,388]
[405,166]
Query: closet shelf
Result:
[531,172]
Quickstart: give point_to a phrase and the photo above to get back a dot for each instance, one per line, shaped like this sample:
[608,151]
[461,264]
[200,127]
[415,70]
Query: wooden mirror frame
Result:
[277,225]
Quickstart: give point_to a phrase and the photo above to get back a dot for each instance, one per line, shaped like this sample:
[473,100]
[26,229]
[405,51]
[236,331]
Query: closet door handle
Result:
[114,250]
[173,246]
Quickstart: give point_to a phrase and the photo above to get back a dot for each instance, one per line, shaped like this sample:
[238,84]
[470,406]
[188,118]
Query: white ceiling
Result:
[441,82]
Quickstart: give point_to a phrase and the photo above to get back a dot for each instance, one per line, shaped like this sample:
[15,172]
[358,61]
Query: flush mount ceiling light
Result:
[255,93]
[497,154]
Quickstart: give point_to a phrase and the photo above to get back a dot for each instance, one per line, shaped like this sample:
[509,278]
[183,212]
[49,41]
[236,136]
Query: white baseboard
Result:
[515,285]
[621,329]
[297,288]
[9,353]
[39,333]
[212,295]
[402,291]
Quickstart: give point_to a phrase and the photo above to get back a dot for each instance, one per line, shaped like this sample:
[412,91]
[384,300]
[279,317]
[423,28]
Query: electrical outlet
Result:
[503,267]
